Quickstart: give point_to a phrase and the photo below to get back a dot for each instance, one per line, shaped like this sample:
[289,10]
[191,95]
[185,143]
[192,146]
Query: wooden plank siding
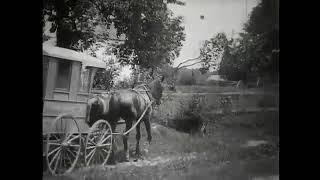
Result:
[75,79]
[47,124]
[55,107]
[51,77]
[60,101]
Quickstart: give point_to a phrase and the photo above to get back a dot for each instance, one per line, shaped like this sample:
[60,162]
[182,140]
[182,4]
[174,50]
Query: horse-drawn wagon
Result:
[67,84]
[68,139]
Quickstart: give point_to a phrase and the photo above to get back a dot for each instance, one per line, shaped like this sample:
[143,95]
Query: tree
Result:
[262,31]
[232,64]
[153,35]
[210,53]
[75,20]
[254,51]
[105,78]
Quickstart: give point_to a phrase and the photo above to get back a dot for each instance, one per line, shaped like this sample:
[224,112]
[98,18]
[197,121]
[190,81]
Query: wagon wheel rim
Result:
[63,149]
[98,144]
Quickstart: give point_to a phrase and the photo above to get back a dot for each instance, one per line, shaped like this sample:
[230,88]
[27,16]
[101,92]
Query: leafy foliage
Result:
[212,50]
[254,51]
[74,20]
[152,35]
[190,119]
[105,78]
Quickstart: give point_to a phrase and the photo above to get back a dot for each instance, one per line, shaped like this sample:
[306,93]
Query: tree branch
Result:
[187,61]
[189,65]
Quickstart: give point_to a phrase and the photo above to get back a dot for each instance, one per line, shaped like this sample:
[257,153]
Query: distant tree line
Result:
[256,51]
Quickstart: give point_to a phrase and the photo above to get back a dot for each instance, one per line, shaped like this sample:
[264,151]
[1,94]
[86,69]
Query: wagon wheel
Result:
[98,143]
[63,145]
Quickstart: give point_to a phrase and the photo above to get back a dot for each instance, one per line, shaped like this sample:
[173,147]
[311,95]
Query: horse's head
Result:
[156,89]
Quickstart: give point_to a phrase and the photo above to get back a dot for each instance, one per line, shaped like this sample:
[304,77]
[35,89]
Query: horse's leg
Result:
[148,127]
[138,136]
[125,139]
[113,148]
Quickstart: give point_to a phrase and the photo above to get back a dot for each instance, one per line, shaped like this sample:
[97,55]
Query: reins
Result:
[142,115]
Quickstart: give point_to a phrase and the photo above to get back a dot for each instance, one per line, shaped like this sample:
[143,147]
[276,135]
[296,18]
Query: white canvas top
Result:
[69,54]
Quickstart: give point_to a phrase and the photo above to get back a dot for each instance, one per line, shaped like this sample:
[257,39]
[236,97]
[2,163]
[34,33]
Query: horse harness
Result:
[144,86]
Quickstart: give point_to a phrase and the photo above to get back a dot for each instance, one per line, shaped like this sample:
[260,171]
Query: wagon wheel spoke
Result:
[90,147]
[105,154]
[92,142]
[75,137]
[61,165]
[105,151]
[106,133]
[68,157]
[63,145]
[68,136]
[74,145]
[53,151]
[98,139]
[103,145]
[92,154]
[104,140]
[54,158]
[57,160]
[72,153]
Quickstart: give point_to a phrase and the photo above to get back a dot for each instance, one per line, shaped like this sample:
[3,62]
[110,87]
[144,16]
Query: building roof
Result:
[69,54]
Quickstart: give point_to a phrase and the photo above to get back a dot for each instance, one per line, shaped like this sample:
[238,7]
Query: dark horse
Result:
[128,104]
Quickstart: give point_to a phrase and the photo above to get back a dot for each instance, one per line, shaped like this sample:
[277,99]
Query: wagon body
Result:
[67,84]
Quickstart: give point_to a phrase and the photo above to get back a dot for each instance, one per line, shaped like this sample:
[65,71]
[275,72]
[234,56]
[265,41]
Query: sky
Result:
[219,16]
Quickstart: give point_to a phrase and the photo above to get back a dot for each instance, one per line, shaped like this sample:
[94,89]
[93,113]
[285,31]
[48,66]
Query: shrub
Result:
[189,119]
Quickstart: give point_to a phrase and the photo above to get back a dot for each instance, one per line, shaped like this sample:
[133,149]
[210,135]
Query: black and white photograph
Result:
[160,89]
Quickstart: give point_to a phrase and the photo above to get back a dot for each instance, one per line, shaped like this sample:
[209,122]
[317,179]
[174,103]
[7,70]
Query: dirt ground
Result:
[235,147]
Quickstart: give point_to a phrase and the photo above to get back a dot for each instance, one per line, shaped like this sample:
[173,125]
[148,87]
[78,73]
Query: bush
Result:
[124,84]
[186,78]
[104,79]
[189,120]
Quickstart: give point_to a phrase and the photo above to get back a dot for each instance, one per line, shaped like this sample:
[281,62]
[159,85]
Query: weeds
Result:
[189,118]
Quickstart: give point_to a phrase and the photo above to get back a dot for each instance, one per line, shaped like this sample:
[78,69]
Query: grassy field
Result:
[220,89]
[236,147]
